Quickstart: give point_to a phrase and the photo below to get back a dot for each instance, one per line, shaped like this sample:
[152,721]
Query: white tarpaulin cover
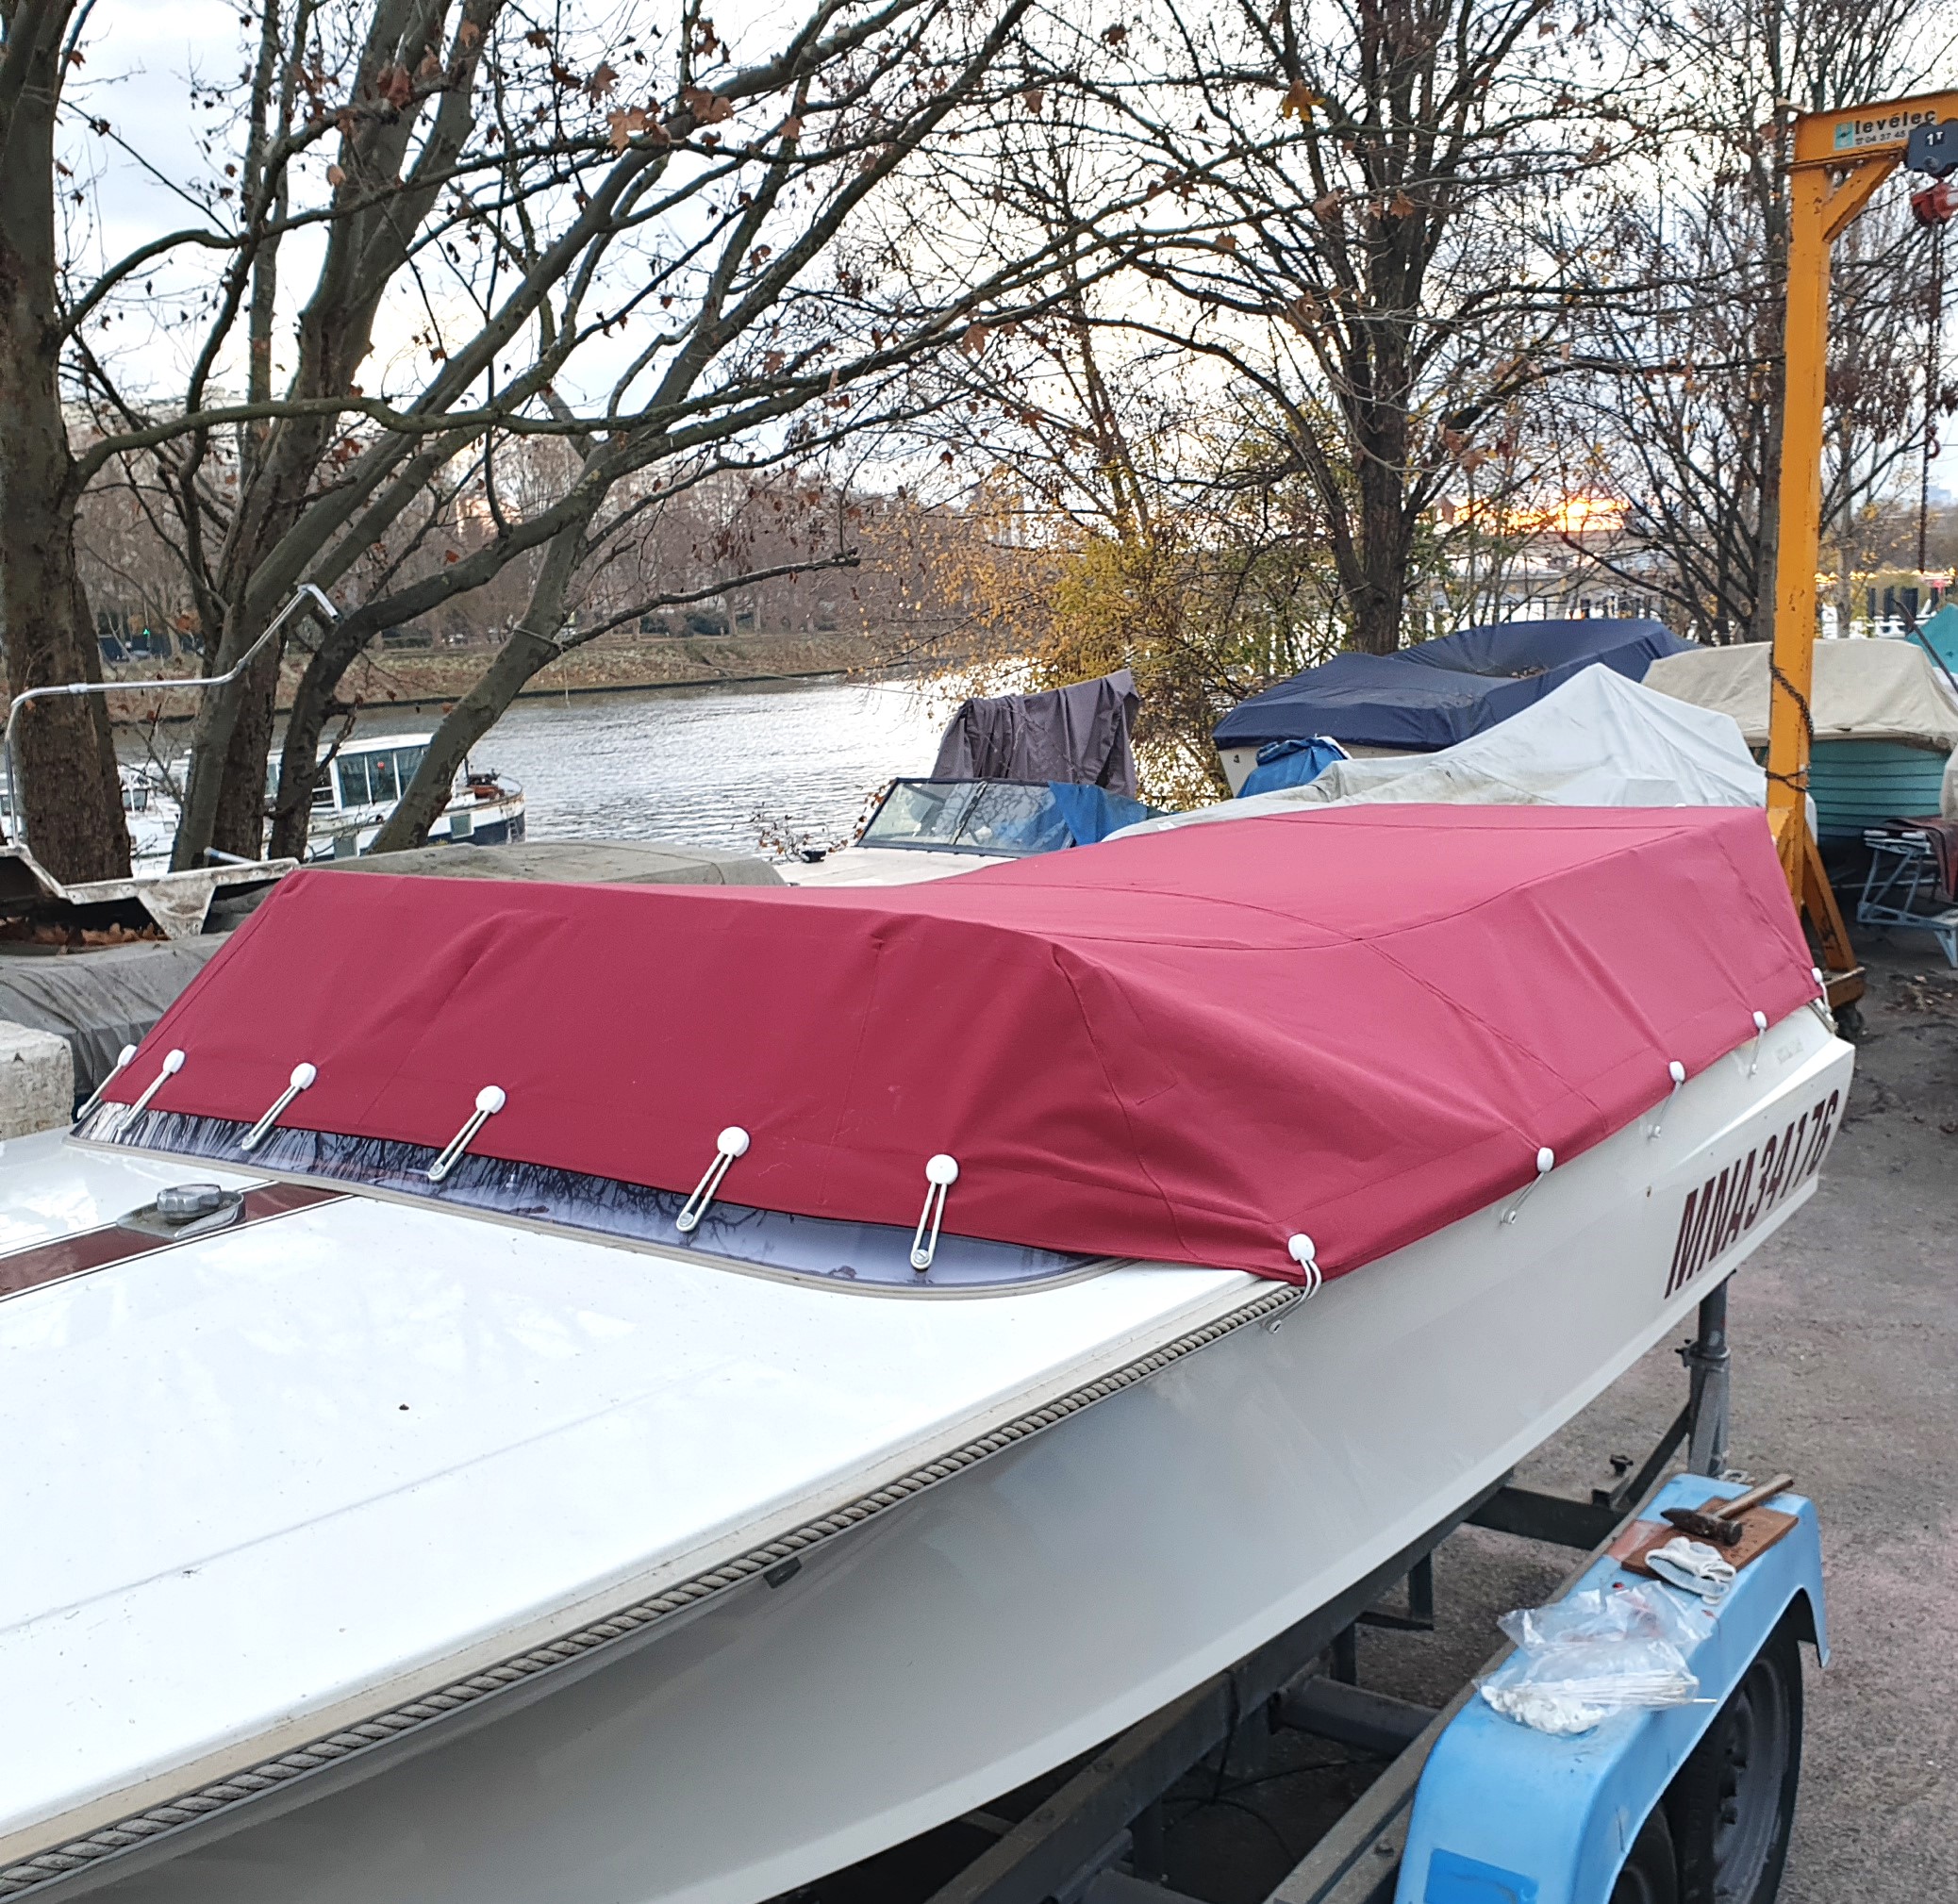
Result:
[1598,740]
[1864,690]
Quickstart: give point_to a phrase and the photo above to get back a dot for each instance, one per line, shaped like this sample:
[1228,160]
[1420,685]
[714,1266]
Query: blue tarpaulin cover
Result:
[1290,762]
[1438,693]
[1092,813]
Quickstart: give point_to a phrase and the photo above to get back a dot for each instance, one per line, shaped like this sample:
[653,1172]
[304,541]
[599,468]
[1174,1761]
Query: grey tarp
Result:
[1864,690]
[574,862]
[1079,735]
[99,1000]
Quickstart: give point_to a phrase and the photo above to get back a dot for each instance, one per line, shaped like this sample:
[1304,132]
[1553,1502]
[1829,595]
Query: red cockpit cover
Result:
[1360,1024]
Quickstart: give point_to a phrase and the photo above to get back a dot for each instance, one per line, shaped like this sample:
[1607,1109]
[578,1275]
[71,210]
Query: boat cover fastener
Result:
[1677,1073]
[173,1064]
[1760,1033]
[730,1144]
[490,1100]
[1302,1251]
[1546,1163]
[115,1070]
[302,1080]
[941,1174]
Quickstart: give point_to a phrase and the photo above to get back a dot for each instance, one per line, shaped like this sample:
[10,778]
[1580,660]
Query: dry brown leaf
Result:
[625,125]
[1299,101]
[335,176]
[602,82]
[708,107]
[394,86]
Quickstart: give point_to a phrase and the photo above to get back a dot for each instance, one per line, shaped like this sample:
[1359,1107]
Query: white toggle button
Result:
[941,1174]
[490,1100]
[732,1143]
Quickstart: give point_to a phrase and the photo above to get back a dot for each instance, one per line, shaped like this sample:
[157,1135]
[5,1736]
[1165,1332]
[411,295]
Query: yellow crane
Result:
[1839,160]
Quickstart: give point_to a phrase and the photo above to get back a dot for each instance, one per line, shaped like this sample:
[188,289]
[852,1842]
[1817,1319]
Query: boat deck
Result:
[294,1428]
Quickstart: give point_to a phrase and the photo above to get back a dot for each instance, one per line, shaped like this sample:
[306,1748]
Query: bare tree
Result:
[1369,216]
[68,789]
[1681,414]
[625,237]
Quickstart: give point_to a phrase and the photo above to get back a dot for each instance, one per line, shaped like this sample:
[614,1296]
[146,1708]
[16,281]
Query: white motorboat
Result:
[388,1539]
[359,783]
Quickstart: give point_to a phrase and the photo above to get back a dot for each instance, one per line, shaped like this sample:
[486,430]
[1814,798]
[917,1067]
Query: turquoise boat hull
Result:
[1858,784]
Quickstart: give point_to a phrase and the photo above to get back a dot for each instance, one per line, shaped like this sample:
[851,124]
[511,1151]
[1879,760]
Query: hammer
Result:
[1721,1520]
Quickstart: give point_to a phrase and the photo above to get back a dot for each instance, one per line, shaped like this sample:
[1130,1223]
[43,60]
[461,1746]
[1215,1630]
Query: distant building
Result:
[1567,563]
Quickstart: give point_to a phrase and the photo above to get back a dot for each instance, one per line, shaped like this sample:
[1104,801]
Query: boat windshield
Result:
[1008,817]
[379,778]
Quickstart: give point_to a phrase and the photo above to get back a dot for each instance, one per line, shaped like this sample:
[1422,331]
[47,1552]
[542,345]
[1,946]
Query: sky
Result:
[140,60]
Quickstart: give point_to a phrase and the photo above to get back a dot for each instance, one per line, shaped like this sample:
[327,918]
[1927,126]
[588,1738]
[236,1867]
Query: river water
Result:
[704,767]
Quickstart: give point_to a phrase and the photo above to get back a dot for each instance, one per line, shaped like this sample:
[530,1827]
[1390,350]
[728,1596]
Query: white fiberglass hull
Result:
[1041,1600]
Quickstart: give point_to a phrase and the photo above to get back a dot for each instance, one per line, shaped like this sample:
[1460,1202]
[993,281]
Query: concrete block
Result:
[36,1080]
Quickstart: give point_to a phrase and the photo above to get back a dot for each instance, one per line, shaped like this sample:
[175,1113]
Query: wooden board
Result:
[1760,1529]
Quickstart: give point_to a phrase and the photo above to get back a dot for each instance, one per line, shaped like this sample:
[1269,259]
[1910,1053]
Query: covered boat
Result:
[546,1463]
[1598,740]
[1886,724]
[1435,693]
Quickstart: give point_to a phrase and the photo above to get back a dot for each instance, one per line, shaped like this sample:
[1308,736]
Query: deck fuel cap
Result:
[185,1203]
[183,1211]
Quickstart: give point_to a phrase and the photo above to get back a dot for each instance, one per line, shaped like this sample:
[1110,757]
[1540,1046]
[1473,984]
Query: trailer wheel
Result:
[1731,1804]
[1652,1871]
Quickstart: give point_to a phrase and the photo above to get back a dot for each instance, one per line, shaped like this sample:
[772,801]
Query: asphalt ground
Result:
[1844,1330]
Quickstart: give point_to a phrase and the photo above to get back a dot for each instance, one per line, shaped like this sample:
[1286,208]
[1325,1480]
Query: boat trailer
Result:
[1676,1805]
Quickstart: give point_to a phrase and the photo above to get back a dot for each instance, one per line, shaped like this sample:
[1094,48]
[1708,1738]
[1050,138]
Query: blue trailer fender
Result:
[1507,1816]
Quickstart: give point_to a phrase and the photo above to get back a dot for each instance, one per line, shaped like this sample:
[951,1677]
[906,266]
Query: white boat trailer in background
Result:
[1602,1819]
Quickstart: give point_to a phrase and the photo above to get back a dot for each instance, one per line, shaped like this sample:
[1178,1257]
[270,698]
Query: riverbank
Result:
[614,664]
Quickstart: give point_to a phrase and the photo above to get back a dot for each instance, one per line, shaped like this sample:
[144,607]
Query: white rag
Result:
[1694,1566]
